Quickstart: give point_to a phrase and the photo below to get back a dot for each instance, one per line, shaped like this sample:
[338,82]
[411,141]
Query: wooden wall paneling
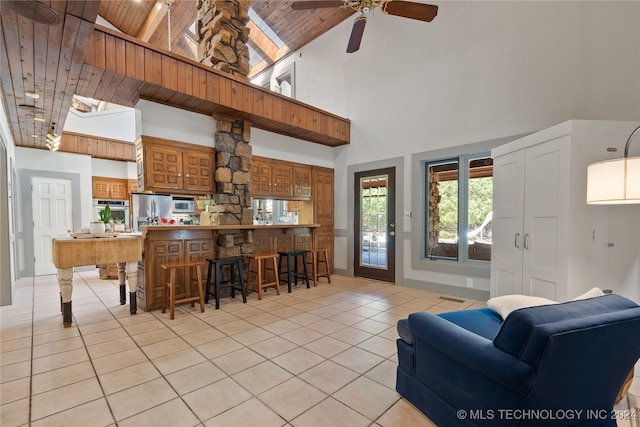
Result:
[262,243]
[131,62]
[235,94]
[213,88]
[120,57]
[284,242]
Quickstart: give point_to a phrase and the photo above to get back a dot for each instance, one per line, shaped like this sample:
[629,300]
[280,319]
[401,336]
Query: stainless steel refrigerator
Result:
[149,209]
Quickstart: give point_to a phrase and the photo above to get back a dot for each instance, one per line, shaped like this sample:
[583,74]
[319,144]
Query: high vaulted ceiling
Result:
[47,59]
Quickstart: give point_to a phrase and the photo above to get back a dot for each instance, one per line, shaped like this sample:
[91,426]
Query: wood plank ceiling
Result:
[47,59]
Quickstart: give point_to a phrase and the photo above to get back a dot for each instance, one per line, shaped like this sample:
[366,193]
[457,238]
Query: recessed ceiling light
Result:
[32,95]
[34,135]
[38,119]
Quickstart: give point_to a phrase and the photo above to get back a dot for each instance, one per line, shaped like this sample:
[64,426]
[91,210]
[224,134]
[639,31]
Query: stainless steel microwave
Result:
[184,204]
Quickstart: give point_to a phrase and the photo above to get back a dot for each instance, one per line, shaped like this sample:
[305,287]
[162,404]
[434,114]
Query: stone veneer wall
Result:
[222,32]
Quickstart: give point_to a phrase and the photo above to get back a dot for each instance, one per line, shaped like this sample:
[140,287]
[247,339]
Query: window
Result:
[459,208]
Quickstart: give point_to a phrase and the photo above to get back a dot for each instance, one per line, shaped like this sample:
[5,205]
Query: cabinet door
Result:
[303,242]
[161,251]
[507,228]
[163,168]
[260,178]
[302,182]
[545,190]
[282,180]
[198,171]
[132,185]
[100,188]
[323,196]
[118,190]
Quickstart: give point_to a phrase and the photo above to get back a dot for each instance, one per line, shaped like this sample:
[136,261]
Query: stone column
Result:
[222,33]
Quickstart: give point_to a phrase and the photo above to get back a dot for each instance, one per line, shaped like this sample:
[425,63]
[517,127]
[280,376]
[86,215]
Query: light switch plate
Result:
[407,215]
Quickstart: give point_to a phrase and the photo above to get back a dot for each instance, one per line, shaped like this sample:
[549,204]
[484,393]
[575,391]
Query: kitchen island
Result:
[178,243]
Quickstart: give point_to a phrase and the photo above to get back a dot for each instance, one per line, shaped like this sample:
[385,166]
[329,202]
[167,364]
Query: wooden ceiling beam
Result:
[262,42]
[153,20]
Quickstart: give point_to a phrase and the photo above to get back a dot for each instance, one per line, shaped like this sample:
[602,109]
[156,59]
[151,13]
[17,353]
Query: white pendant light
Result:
[614,182]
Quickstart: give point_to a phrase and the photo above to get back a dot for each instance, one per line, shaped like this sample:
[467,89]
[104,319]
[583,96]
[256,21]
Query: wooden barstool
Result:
[169,281]
[260,271]
[319,261]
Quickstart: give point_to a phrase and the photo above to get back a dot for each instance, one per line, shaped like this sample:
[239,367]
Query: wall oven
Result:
[119,210]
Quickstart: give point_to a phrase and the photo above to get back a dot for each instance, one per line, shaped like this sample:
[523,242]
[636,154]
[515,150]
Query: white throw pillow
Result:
[507,303]
[595,292]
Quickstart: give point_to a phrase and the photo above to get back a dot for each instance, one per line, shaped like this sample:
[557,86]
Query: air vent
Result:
[35,10]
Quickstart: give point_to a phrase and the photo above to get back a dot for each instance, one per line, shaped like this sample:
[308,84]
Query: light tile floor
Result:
[317,357]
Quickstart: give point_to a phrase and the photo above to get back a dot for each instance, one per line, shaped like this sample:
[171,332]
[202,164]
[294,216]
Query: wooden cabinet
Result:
[547,241]
[165,165]
[280,180]
[110,188]
[302,182]
[260,177]
[170,246]
[323,191]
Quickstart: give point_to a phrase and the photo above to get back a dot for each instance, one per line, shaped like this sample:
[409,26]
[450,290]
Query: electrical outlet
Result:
[469,282]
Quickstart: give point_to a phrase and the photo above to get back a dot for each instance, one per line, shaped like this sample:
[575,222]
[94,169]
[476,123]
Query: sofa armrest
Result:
[470,350]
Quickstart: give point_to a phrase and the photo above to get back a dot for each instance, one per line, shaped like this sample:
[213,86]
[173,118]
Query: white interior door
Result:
[52,216]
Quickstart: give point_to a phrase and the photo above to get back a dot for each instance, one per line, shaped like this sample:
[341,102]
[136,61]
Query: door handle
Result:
[526,241]
[393,224]
[516,241]
[392,233]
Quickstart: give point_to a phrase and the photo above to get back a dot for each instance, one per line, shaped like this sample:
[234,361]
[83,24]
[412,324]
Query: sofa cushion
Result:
[518,336]
[483,321]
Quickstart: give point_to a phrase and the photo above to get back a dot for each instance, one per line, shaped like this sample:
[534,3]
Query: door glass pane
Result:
[373,221]
[442,210]
[480,209]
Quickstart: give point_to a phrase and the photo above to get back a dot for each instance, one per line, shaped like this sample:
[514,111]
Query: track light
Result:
[53,140]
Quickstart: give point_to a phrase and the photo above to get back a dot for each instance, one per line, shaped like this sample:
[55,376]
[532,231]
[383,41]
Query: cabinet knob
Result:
[179,174]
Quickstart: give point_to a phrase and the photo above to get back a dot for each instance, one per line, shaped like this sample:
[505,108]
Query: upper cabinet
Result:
[170,166]
[109,188]
[281,180]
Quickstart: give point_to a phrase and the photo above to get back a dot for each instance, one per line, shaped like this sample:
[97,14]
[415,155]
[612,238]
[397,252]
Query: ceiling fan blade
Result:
[304,5]
[407,9]
[356,34]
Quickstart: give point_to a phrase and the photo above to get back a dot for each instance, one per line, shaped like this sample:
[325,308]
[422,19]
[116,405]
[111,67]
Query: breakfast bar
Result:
[179,243]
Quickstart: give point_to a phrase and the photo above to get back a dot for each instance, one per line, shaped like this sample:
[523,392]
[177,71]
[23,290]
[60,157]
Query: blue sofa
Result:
[552,365]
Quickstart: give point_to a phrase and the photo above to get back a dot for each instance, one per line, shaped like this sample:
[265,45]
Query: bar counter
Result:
[179,243]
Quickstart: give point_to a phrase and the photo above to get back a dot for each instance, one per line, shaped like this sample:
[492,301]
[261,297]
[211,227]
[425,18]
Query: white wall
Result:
[481,70]
[114,124]
[165,122]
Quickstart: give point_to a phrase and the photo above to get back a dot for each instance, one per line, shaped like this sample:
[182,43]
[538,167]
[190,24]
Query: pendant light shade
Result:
[614,182]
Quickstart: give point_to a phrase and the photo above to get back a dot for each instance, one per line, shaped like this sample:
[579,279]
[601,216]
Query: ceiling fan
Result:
[406,9]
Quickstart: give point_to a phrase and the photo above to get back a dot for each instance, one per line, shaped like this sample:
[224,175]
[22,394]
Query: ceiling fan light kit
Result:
[405,9]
